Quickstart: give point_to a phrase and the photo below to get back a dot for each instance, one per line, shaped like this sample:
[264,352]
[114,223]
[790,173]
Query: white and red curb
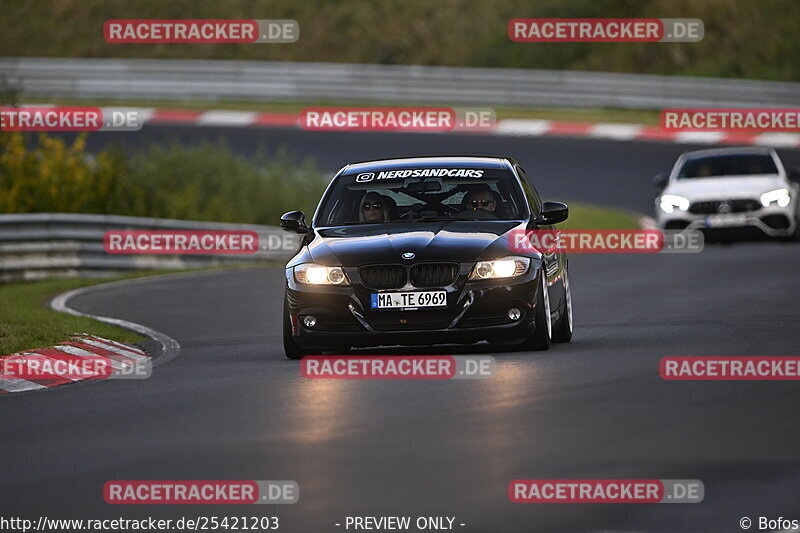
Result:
[80,349]
[123,360]
[639,132]
[512,127]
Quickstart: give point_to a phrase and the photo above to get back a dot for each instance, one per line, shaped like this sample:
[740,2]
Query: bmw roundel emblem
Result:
[409,255]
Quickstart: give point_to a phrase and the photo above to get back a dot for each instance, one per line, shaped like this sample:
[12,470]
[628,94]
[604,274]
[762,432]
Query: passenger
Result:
[480,197]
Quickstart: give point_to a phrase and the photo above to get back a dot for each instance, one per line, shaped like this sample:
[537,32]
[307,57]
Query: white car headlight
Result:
[507,267]
[311,274]
[671,201]
[779,196]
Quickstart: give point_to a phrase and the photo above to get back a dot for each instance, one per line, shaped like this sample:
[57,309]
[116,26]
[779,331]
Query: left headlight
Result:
[779,196]
[670,201]
[311,274]
[507,267]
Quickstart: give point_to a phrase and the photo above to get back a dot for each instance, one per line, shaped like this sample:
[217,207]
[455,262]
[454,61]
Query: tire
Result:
[291,348]
[543,328]
[564,331]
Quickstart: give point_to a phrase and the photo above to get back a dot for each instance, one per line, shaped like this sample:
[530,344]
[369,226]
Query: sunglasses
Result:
[367,206]
[484,203]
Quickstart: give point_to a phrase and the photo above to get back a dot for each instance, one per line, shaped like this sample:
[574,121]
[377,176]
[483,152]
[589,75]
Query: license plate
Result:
[409,300]
[721,221]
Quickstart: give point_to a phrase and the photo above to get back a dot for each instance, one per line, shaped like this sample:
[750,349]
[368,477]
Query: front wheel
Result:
[564,331]
[543,328]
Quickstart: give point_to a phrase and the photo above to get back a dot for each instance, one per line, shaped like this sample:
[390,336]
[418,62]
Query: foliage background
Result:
[201,182]
[744,38]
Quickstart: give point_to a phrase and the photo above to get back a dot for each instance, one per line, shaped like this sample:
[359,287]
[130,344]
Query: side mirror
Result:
[660,180]
[294,221]
[793,174]
[552,213]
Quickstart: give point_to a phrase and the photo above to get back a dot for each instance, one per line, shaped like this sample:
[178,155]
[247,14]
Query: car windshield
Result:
[422,194]
[728,165]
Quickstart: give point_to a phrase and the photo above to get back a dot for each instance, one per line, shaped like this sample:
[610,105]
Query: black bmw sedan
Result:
[420,251]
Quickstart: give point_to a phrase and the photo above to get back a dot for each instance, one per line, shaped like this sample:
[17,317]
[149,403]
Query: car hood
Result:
[457,241]
[724,188]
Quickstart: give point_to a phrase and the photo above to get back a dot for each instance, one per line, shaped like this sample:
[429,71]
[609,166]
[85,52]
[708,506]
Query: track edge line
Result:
[170,348]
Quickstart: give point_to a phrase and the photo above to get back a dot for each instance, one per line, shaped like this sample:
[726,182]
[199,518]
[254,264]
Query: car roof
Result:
[455,161]
[730,150]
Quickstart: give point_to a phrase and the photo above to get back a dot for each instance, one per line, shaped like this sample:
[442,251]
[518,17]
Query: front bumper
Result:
[773,221]
[475,311]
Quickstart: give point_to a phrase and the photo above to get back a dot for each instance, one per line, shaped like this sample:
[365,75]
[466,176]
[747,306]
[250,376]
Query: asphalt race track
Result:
[230,406]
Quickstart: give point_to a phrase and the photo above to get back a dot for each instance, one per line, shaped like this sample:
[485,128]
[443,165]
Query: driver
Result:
[480,197]
[374,208]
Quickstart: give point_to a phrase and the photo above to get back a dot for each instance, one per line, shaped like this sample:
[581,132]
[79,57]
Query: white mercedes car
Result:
[730,188]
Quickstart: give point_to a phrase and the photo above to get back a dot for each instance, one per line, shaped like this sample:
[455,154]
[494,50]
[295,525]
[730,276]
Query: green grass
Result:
[26,322]
[567,114]
[584,216]
[200,105]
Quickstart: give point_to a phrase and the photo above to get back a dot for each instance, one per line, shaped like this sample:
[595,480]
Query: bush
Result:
[204,182]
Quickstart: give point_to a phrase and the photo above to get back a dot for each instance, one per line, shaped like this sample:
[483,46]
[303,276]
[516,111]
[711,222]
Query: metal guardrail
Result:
[48,245]
[167,79]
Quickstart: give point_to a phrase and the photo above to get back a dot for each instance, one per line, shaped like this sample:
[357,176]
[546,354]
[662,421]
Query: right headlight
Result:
[669,202]
[507,267]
